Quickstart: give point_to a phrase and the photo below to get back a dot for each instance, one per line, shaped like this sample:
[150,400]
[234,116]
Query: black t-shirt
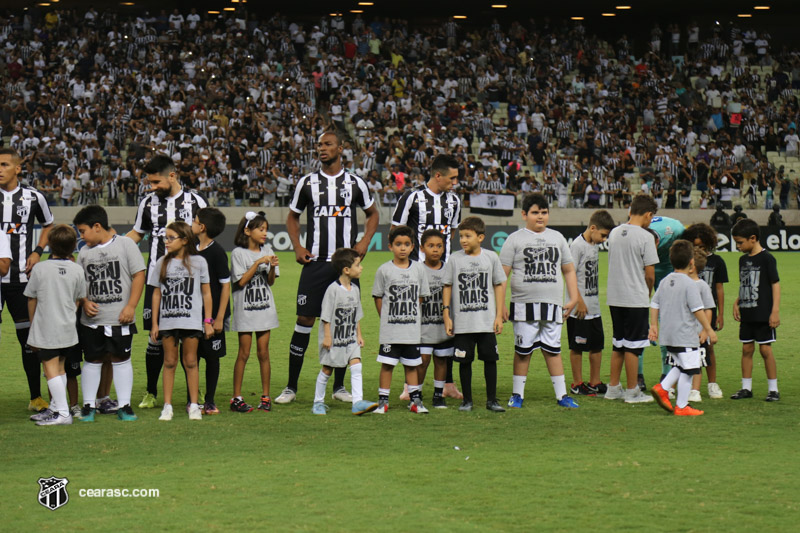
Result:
[218,272]
[715,272]
[757,273]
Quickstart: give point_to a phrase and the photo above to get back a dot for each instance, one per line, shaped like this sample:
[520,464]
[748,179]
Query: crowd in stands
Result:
[534,105]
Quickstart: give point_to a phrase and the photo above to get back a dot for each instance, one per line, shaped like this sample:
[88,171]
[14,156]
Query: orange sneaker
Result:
[662,397]
[687,411]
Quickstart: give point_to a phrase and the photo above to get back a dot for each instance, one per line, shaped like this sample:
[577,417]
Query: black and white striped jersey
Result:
[421,209]
[22,209]
[329,202]
[155,214]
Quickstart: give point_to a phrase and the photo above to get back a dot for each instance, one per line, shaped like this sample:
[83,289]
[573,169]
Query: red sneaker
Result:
[662,397]
[687,411]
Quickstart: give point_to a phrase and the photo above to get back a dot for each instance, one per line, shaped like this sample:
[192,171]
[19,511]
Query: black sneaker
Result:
[238,406]
[742,394]
[641,383]
[582,389]
[773,396]
[600,388]
[266,404]
[439,402]
[493,405]
[465,406]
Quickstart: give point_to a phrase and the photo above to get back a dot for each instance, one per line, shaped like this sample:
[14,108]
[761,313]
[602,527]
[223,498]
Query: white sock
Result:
[559,386]
[322,384]
[90,381]
[671,378]
[194,405]
[414,388]
[123,381]
[356,385]
[438,384]
[518,385]
[684,388]
[58,393]
[772,385]
[747,383]
[383,392]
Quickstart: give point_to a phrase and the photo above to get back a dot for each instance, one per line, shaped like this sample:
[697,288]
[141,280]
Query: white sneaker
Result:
[195,413]
[75,410]
[671,393]
[694,396]
[343,396]
[166,412]
[637,396]
[614,392]
[287,396]
[55,420]
[714,391]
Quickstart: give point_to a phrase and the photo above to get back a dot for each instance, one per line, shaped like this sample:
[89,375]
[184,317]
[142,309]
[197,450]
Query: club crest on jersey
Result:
[448,212]
[53,492]
[185,214]
[332,211]
[23,211]
[346,194]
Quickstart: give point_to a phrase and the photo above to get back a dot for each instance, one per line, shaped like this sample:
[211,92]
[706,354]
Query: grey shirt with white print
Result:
[401,290]
[473,277]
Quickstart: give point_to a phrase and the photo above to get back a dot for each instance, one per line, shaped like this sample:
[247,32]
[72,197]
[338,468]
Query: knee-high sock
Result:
[449,377]
[684,388]
[297,352]
[58,393]
[356,385]
[322,384]
[212,377]
[154,360]
[465,373]
[90,381]
[490,375]
[31,364]
[123,381]
[338,377]
[671,378]
[640,371]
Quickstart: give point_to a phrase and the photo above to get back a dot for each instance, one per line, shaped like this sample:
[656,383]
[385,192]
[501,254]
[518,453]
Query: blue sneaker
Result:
[363,407]
[126,414]
[515,401]
[566,401]
[87,413]
[319,408]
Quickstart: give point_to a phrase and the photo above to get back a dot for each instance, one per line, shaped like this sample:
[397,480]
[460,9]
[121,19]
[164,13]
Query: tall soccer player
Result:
[167,202]
[329,198]
[22,208]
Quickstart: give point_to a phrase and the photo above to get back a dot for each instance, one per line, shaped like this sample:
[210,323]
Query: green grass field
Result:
[604,466]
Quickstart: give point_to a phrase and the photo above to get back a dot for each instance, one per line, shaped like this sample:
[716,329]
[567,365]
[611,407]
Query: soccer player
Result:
[167,201]
[631,258]
[114,271]
[329,196]
[584,325]
[23,208]
[538,260]
[757,308]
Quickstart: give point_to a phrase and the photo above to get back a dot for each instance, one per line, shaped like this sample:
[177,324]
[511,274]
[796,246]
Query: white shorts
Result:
[688,360]
[539,334]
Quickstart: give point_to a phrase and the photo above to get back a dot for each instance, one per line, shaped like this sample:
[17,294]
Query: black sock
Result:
[449,377]
[416,394]
[212,377]
[154,361]
[438,392]
[31,364]
[338,378]
[490,374]
[297,352]
[465,373]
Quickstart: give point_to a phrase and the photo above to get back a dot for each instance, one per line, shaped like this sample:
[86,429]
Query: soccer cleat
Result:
[148,402]
[694,396]
[126,414]
[614,392]
[75,410]
[107,406]
[599,388]
[662,397]
[687,411]
[210,409]
[640,382]
[773,396]
[582,389]
[238,406]
[363,407]
[439,402]
[465,406]
[494,406]
[319,408]
[86,413]
[342,395]
[55,420]
[515,401]
[416,406]
[714,391]
[166,412]
[637,396]
[265,404]
[195,413]
[404,396]
[47,413]
[383,406]
[287,396]
[451,391]
[566,401]
[38,404]
[742,394]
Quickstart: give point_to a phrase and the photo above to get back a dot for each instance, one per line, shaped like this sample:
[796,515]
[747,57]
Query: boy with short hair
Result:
[538,260]
[632,257]
[208,223]
[585,325]
[54,289]
[473,302]
[757,308]
[680,306]
[398,288]
[340,339]
[699,255]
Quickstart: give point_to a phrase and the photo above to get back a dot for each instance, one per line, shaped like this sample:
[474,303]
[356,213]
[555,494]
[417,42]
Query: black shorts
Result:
[714,319]
[314,281]
[758,332]
[443,349]
[213,347]
[465,344]
[147,308]
[96,344]
[72,365]
[630,328]
[585,335]
[46,354]
[13,297]
[180,334]
[405,354]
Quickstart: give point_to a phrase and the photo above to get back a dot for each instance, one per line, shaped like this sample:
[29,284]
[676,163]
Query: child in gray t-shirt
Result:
[398,288]
[340,339]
